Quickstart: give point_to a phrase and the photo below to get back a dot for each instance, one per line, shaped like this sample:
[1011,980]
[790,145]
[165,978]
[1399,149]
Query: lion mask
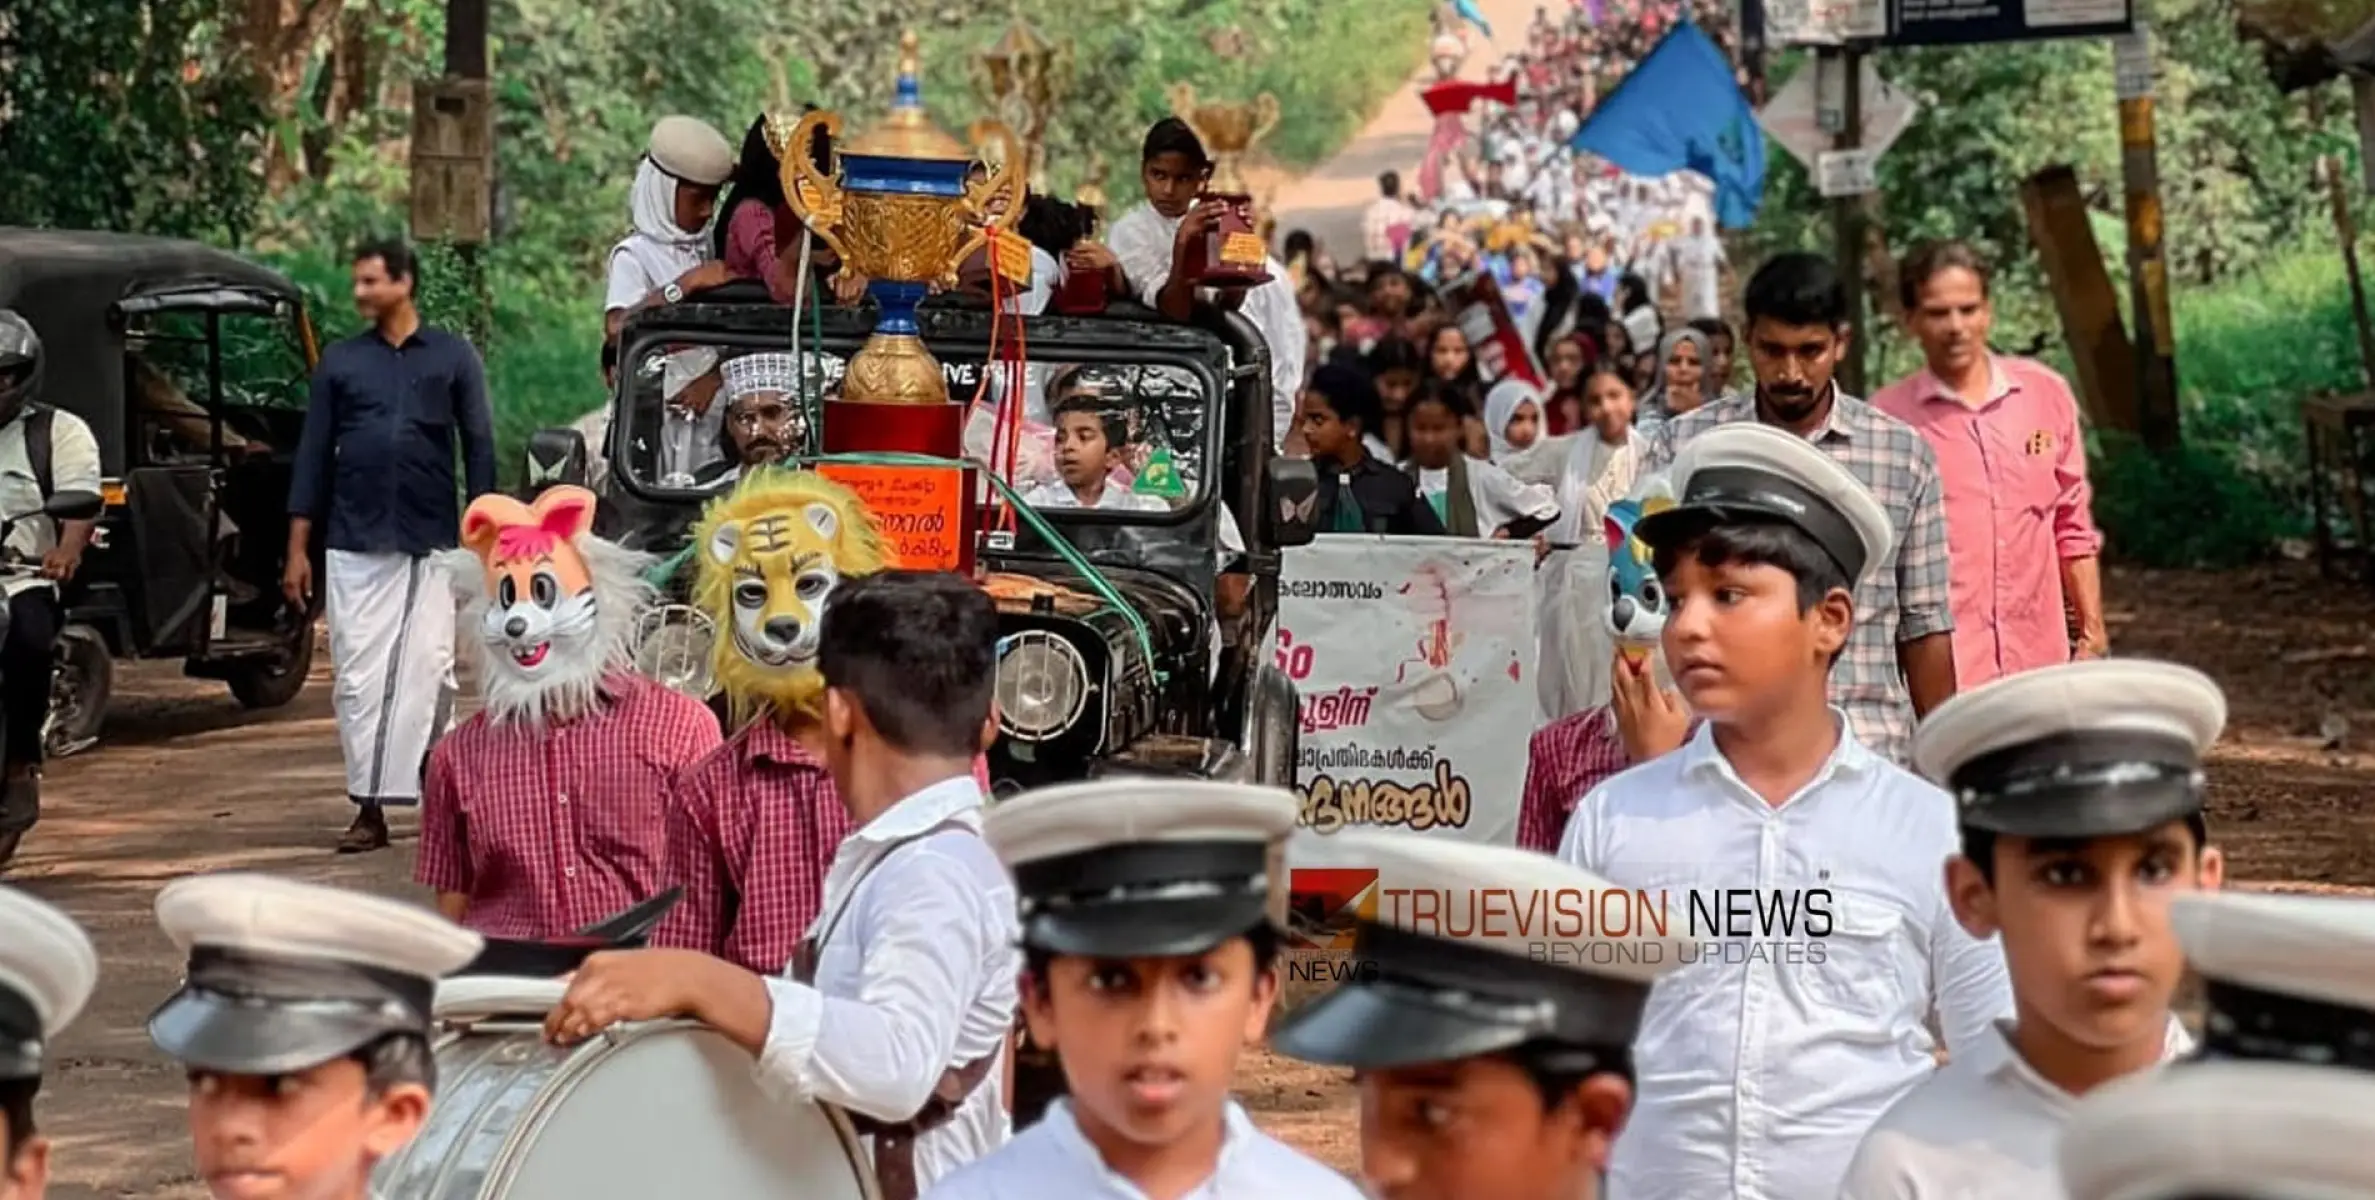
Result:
[770,553]
[553,607]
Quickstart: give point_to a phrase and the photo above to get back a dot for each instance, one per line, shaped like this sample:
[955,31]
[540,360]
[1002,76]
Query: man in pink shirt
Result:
[2027,587]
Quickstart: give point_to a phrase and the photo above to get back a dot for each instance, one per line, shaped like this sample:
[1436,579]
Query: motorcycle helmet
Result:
[20,364]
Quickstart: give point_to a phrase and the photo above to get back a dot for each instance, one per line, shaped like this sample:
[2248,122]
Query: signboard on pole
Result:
[1965,22]
[1794,118]
[1840,173]
[1934,22]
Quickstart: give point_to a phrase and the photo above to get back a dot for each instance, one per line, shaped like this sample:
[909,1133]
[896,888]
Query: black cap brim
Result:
[1376,1026]
[2105,814]
[1679,525]
[213,1032]
[1153,927]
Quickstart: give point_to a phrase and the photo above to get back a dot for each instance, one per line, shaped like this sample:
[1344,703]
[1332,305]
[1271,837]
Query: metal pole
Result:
[1847,216]
[466,58]
[2148,266]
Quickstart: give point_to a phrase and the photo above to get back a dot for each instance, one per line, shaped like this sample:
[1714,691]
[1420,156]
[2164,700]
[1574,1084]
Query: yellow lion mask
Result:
[770,552]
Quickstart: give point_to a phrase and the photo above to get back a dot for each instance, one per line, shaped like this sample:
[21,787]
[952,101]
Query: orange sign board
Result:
[921,512]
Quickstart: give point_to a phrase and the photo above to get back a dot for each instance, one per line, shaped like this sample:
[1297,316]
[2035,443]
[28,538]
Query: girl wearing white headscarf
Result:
[676,181]
[1680,382]
[1592,468]
[1512,417]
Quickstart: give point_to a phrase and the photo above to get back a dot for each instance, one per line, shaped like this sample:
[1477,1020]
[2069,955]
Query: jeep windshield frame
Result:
[955,333]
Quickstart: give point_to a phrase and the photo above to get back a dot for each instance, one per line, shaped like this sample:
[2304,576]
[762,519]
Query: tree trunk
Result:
[280,36]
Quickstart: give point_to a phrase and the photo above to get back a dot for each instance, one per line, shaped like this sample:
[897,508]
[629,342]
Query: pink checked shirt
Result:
[551,828]
[2017,506]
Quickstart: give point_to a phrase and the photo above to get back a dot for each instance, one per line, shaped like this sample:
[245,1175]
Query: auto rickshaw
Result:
[191,366]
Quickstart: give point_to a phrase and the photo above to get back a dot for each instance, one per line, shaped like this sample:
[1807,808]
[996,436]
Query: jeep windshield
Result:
[1087,435]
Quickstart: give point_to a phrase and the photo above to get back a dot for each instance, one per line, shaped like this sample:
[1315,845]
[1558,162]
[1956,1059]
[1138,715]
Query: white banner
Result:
[1414,661]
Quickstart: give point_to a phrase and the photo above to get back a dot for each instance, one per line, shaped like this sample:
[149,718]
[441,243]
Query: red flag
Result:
[1457,96]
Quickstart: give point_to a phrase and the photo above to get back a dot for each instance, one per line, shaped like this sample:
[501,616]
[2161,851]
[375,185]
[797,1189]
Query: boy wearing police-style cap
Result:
[1819,1013]
[1489,1066]
[1148,966]
[304,1020]
[47,971]
[2280,1103]
[2078,789]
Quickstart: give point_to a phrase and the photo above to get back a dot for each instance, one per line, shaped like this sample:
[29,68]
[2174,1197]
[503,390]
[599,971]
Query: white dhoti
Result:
[392,657]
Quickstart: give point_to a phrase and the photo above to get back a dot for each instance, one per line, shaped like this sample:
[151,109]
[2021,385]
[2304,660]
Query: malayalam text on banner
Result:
[1413,659]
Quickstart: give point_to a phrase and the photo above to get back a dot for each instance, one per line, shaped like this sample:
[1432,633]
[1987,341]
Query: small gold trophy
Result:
[1233,255]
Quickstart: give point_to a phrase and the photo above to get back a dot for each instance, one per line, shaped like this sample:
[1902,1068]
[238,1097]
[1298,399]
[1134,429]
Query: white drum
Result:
[664,1108]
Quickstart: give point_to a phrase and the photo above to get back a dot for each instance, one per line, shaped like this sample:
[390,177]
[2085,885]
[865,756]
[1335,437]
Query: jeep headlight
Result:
[672,648]
[1043,685]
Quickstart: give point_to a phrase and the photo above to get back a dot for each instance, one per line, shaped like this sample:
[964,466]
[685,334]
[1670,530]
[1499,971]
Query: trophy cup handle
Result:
[1183,103]
[813,195]
[1007,182]
[1265,112]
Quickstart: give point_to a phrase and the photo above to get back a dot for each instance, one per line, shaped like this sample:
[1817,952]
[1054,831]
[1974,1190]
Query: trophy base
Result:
[1232,254]
[864,427]
[893,368]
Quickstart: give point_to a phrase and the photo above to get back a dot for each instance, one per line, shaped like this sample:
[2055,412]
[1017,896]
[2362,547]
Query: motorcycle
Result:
[63,506]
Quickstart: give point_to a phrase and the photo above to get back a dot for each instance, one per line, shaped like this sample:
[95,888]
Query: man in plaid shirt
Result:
[1899,663]
[542,813]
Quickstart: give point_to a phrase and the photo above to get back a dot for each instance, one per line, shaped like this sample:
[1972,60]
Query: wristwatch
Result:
[671,292]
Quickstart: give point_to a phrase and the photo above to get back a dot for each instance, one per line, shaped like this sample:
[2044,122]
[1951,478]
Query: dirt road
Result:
[1329,200]
[183,783]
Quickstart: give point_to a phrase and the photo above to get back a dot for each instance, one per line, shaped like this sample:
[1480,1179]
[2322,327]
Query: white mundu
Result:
[2282,1105]
[2100,749]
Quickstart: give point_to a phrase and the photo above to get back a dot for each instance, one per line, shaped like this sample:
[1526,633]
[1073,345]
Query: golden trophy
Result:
[1233,255]
[895,206]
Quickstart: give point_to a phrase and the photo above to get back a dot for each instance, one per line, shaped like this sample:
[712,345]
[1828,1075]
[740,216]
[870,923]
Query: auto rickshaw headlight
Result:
[1043,685]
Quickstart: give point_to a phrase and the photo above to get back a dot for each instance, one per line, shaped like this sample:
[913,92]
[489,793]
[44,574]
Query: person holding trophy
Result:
[1193,237]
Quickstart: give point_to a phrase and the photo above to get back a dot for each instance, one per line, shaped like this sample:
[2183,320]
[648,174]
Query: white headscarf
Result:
[1500,407]
[663,249]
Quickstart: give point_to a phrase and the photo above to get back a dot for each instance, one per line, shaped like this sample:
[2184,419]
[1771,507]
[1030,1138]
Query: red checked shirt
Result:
[550,828]
[752,829]
[1567,758]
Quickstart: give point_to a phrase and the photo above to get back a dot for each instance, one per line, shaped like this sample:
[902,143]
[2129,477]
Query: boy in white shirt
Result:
[1091,440]
[2080,796]
[47,972]
[1149,965]
[1801,865]
[2281,1103]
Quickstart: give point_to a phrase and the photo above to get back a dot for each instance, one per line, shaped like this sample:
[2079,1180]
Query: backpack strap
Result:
[38,420]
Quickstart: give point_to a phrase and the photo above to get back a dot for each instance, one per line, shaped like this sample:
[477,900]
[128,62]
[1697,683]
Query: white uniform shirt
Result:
[1054,1159]
[74,467]
[918,978]
[1115,498]
[1498,496]
[1985,1127]
[1757,1079]
[1142,241]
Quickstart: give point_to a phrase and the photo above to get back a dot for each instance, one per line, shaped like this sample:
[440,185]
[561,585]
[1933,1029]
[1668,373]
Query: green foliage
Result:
[2191,507]
[127,116]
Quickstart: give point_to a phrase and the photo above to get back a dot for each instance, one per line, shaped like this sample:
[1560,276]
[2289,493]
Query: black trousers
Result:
[25,664]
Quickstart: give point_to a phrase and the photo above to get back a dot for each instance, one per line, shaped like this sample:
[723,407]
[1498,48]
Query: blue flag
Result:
[1681,110]
[1470,13]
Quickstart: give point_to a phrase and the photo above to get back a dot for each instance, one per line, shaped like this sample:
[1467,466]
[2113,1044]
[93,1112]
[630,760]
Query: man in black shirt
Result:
[1358,493]
[375,467]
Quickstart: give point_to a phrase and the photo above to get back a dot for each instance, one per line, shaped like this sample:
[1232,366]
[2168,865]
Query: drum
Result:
[663,1108]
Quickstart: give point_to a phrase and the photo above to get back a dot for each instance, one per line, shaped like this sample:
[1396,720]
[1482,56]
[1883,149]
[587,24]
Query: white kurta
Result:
[1500,499]
[1142,241]
[1985,1127]
[392,656]
[917,979]
[1054,1159]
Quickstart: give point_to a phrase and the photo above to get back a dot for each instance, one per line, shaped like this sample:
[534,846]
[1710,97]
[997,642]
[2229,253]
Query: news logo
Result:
[1323,904]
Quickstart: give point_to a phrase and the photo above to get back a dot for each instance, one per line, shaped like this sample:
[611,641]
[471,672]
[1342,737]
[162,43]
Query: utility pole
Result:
[453,156]
[2148,265]
[2329,174]
[1845,65]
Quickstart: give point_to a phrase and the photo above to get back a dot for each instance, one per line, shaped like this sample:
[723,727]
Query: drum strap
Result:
[894,1141]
